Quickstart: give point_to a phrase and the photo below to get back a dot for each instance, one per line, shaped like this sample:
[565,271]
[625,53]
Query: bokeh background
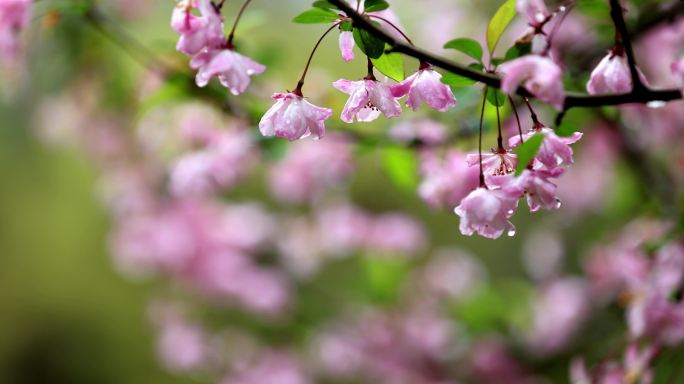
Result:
[69,314]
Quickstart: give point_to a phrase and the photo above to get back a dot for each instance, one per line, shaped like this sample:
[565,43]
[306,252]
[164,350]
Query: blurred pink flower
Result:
[678,71]
[541,76]
[425,86]
[534,10]
[15,15]
[635,368]
[182,346]
[396,233]
[492,363]
[272,368]
[197,32]
[292,117]
[367,100]
[347,45]
[421,131]
[558,314]
[487,212]
[446,181]
[232,69]
[228,156]
[311,167]
[453,274]
[611,75]
[342,229]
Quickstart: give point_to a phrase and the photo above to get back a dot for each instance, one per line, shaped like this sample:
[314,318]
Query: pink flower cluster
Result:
[202,38]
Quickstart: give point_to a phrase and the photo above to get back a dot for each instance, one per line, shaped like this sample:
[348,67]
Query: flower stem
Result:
[235,24]
[300,83]
[499,139]
[517,118]
[479,149]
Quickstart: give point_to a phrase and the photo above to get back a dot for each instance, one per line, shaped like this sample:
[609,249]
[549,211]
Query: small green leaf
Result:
[518,50]
[458,81]
[316,16]
[384,276]
[526,152]
[391,65]
[401,166]
[324,5]
[375,5]
[468,46]
[368,43]
[495,97]
[498,24]
[346,26]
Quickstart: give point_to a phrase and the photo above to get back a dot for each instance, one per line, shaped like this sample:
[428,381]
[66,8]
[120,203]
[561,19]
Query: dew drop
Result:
[511,232]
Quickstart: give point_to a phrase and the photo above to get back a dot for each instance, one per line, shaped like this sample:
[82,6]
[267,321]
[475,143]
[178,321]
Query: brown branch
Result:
[640,96]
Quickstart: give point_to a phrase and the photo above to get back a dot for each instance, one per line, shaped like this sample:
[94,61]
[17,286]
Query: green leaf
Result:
[498,24]
[519,49]
[316,16]
[526,152]
[346,26]
[368,43]
[375,5]
[495,97]
[455,80]
[391,65]
[401,166]
[468,46]
[324,5]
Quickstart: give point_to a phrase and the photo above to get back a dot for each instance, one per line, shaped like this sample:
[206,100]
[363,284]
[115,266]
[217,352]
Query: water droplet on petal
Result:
[656,104]
[511,232]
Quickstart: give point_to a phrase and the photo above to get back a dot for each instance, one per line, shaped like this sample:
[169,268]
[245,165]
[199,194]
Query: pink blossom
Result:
[197,32]
[635,368]
[611,75]
[497,167]
[539,190]
[310,168]
[454,274]
[491,362]
[541,76]
[347,45]
[555,151]
[534,10]
[425,86]
[292,117]
[446,181]
[487,212]
[342,229]
[367,100]
[232,69]
[678,71]
[15,15]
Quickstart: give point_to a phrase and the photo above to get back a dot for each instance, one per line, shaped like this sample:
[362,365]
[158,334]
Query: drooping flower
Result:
[197,32]
[486,212]
[292,118]
[611,75]
[678,71]
[367,100]
[233,69]
[425,86]
[497,167]
[541,76]
[539,190]
[15,15]
[534,10]
[347,45]
[555,151]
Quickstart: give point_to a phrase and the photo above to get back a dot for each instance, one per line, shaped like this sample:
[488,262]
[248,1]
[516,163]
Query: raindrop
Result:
[656,104]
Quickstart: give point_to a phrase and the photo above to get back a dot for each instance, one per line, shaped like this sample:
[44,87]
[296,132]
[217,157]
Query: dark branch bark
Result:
[641,95]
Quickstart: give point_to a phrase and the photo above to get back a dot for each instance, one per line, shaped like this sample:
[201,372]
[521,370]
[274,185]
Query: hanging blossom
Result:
[486,211]
[555,152]
[635,368]
[368,98]
[203,39]
[425,86]
[612,75]
[347,45]
[540,75]
[15,15]
[346,39]
[292,117]
[678,71]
